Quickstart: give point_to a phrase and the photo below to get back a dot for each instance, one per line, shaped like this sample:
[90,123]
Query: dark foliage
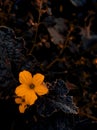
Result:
[58,39]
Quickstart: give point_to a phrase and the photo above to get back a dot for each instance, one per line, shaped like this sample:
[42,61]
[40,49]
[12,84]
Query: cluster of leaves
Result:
[59,39]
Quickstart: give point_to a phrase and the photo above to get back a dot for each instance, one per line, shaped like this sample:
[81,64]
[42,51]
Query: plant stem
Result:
[34,44]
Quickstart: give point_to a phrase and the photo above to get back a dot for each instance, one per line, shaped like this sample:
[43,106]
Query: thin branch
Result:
[54,61]
[62,50]
[87,115]
[34,44]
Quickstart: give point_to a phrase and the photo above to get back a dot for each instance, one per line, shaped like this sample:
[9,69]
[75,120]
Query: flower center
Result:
[32,86]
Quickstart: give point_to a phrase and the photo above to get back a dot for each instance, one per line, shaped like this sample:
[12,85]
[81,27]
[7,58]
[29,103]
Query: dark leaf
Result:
[78,2]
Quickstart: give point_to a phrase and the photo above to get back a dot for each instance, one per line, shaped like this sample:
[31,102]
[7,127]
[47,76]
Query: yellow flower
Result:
[30,86]
[22,103]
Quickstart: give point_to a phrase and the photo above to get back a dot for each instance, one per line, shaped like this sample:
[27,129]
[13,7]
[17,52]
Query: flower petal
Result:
[38,79]
[41,89]
[18,100]
[30,97]
[21,90]
[22,108]
[25,77]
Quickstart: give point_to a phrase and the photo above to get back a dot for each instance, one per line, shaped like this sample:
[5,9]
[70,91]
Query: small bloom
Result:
[22,103]
[30,87]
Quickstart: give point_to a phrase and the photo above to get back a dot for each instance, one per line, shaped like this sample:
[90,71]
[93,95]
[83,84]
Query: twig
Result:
[34,44]
[65,44]
[67,39]
[87,115]
[54,61]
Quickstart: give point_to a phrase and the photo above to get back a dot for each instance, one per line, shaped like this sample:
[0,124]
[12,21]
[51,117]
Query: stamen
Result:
[32,86]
